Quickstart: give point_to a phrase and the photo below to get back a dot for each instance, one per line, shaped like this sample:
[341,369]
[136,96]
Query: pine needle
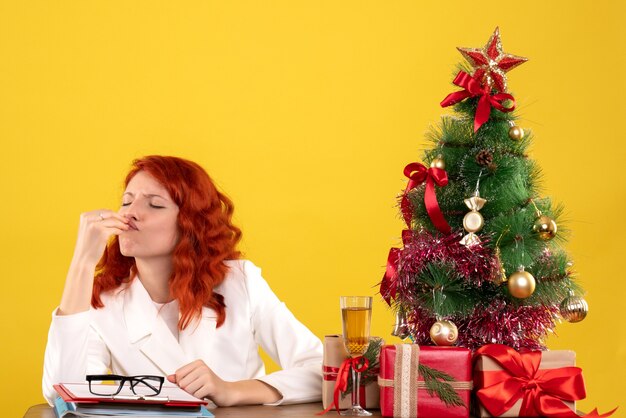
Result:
[436,383]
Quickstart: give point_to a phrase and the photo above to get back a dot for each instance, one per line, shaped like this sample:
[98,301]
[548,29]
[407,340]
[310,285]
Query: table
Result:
[261,411]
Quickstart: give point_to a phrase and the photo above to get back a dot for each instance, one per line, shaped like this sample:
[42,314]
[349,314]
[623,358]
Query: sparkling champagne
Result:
[356,314]
[356,329]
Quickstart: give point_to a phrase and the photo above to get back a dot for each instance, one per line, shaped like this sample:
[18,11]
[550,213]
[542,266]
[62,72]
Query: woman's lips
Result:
[132,225]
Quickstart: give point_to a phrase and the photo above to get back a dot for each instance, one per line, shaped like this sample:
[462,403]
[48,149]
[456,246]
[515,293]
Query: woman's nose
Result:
[130,211]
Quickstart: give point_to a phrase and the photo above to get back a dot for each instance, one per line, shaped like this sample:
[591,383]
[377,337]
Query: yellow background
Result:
[305,113]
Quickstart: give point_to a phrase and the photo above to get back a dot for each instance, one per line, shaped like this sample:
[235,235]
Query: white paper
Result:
[173,393]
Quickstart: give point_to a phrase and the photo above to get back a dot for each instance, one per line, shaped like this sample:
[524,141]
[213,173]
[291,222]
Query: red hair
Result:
[207,238]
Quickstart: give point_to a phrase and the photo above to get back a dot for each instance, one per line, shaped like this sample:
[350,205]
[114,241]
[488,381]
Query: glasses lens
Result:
[105,387]
[146,385]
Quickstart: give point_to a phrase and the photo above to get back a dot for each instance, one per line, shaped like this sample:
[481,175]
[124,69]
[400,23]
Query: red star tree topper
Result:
[491,63]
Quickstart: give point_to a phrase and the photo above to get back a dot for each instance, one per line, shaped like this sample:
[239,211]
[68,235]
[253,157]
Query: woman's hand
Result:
[199,380]
[94,231]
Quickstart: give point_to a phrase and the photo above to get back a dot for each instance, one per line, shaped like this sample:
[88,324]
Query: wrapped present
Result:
[531,384]
[335,354]
[425,381]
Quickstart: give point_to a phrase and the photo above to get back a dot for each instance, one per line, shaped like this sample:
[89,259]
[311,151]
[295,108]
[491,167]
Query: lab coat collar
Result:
[148,331]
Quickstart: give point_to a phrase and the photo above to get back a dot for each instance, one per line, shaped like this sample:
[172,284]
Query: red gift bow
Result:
[342,378]
[472,88]
[389,284]
[543,391]
[417,174]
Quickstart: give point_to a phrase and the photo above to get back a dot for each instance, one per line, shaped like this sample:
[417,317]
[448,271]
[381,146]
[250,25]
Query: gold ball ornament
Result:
[574,309]
[545,227]
[521,284]
[516,133]
[438,163]
[444,333]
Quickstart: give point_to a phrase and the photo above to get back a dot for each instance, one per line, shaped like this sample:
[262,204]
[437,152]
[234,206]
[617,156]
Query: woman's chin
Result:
[127,250]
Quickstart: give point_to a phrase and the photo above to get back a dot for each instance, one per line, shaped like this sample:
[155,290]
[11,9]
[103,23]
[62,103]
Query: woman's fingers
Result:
[188,378]
[115,223]
[104,214]
[179,374]
[96,227]
[108,219]
[202,391]
[195,386]
[197,379]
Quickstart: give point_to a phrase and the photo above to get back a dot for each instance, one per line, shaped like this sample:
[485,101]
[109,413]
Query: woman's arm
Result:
[199,380]
[73,350]
[287,341]
[72,344]
[95,229]
[283,337]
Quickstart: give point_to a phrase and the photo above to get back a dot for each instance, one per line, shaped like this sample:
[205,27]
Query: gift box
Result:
[404,391]
[530,384]
[335,354]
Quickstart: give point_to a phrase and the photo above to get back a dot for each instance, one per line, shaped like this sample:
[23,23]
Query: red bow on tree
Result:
[389,284]
[417,174]
[473,88]
[542,391]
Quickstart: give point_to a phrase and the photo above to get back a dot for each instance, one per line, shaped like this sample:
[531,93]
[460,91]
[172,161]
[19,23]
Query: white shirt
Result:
[170,314]
[129,337]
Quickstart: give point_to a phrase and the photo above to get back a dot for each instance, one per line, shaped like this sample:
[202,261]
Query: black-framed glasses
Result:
[144,385]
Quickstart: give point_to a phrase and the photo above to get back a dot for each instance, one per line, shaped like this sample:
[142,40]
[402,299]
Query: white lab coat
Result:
[128,337]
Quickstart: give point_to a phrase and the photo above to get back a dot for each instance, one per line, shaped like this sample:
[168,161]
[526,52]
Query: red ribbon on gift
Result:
[542,391]
[472,88]
[418,174]
[342,378]
[331,373]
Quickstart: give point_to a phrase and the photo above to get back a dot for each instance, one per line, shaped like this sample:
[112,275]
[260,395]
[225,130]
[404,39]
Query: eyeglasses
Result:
[144,385]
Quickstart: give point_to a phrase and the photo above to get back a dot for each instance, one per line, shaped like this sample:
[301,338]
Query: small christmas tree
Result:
[482,259]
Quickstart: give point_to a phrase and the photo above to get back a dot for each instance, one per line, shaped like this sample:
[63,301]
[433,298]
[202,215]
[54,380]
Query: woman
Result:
[170,297]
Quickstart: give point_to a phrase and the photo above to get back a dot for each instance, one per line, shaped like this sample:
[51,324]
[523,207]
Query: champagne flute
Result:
[356,314]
